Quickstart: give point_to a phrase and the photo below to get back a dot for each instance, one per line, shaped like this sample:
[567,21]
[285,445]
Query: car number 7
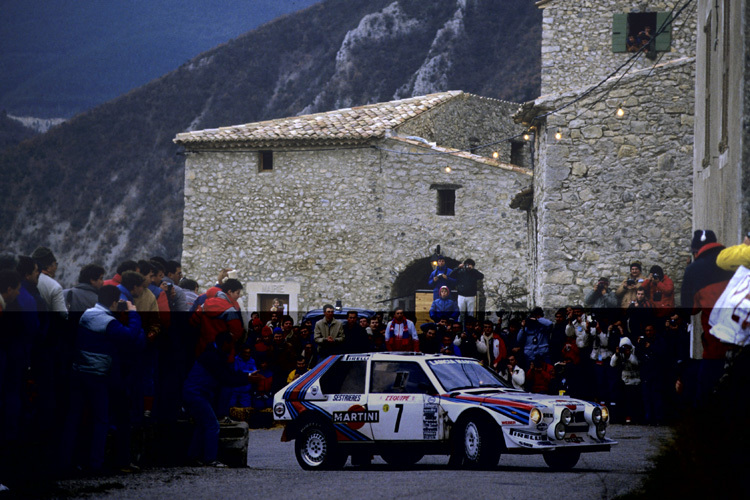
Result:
[400,407]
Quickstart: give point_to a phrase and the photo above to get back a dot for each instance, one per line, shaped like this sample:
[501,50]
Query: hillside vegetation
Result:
[108,184]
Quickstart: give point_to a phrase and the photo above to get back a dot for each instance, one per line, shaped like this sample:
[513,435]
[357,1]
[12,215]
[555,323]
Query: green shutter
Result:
[664,40]
[619,32]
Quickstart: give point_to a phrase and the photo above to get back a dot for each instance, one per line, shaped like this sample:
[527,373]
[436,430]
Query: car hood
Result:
[520,399]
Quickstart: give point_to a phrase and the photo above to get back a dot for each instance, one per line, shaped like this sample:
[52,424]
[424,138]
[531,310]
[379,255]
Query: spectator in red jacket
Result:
[660,292]
[220,312]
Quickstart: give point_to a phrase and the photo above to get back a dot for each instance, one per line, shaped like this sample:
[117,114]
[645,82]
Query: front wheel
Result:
[316,448]
[477,444]
[562,460]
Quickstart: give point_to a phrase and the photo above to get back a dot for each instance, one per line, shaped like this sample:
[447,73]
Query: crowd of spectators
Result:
[146,348]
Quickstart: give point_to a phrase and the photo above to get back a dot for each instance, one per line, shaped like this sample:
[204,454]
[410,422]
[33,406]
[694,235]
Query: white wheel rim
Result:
[471,441]
[315,448]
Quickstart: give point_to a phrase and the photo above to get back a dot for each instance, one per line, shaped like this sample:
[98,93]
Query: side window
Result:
[265,161]
[634,24]
[395,377]
[345,377]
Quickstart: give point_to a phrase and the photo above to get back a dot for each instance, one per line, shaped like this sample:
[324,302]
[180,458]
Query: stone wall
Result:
[344,223]
[614,190]
[722,149]
[577,40]
[468,120]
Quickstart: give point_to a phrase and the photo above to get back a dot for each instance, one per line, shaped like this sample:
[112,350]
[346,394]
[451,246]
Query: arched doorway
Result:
[410,291]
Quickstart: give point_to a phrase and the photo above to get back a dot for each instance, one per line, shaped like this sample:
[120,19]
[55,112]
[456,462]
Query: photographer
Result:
[440,277]
[639,314]
[659,291]
[605,342]
[628,396]
[601,297]
[627,289]
[534,336]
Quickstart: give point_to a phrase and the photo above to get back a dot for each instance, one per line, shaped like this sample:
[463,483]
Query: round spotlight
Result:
[558,136]
[620,112]
[447,170]
[560,431]
[566,417]
[596,415]
[495,155]
[535,415]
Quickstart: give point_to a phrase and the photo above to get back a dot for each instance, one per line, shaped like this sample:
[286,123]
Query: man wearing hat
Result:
[50,290]
[702,285]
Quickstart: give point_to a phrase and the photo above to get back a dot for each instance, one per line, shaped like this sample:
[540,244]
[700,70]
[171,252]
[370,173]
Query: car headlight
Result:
[601,430]
[605,414]
[535,416]
[559,431]
[566,417]
[596,415]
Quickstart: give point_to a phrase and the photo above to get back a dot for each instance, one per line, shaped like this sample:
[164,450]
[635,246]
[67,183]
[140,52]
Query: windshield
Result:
[457,373]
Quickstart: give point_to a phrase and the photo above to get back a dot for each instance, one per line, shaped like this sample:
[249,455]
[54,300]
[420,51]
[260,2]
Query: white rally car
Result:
[403,406]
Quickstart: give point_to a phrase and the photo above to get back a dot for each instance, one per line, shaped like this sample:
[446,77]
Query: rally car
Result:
[403,406]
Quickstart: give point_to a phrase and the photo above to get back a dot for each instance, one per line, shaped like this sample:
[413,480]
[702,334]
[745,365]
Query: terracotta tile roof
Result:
[341,126]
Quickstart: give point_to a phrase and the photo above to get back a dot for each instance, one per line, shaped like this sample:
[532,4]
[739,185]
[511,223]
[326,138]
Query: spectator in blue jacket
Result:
[211,372]
[444,306]
[100,341]
[534,336]
[440,277]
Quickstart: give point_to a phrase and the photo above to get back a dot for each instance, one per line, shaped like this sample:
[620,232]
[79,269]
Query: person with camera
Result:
[605,341]
[639,314]
[534,336]
[440,277]
[628,395]
[601,297]
[660,292]
[627,290]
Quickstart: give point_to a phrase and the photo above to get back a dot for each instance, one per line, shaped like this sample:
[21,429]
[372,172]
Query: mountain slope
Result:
[59,58]
[107,184]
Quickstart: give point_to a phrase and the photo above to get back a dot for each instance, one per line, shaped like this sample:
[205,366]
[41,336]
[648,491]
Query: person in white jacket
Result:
[624,359]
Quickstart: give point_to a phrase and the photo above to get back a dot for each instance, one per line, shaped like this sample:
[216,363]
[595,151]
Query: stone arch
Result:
[413,279]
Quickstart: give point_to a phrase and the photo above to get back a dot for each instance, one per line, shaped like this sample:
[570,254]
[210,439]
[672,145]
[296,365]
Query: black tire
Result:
[401,457]
[316,448]
[476,442]
[562,460]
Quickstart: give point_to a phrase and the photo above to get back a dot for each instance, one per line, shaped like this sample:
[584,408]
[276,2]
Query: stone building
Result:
[721,194]
[610,187]
[350,204]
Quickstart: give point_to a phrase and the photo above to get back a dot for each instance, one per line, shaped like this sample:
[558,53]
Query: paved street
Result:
[273,473]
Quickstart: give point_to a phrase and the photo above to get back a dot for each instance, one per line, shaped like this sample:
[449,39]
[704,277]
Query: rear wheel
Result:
[562,460]
[316,448]
[477,442]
